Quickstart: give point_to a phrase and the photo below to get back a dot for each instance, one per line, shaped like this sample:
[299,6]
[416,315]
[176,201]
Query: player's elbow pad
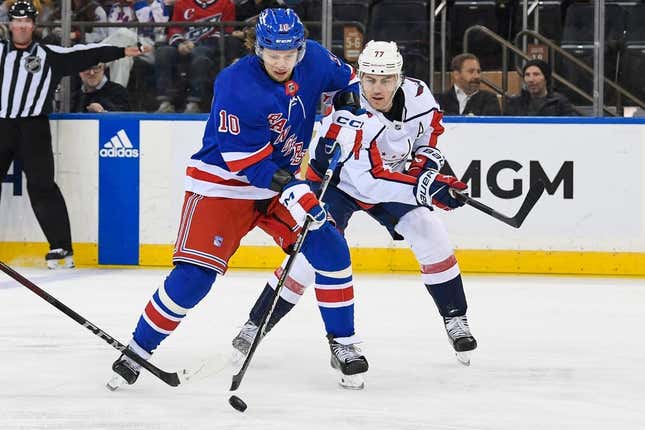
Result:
[279,179]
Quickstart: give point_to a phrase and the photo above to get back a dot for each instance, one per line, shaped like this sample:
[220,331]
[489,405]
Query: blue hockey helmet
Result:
[23,9]
[279,29]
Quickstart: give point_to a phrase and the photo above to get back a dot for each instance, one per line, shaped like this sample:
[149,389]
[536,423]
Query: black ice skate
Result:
[460,337]
[60,257]
[243,341]
[349,361]
[127,371]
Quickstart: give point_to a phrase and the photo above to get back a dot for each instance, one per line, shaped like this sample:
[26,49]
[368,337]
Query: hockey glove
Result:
[426,158]
[344,133]
[434,189]
[302,203]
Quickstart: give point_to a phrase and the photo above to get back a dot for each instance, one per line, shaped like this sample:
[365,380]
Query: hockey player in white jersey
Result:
[402,195]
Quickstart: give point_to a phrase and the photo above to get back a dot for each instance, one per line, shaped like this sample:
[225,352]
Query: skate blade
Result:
[352,382]
[237,358]
[115,382]
[463,357]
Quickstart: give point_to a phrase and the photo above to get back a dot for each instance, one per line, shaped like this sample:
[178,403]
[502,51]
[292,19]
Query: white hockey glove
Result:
[345,132]
[434,189]
[426,157]
[302,203]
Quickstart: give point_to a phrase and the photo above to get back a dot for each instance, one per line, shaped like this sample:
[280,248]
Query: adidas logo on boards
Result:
[119,146]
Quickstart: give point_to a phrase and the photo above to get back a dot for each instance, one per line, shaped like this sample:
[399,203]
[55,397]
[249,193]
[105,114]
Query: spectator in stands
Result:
[153,11]
[195,50]
[537,98]
[465,97]
[125,11]
[88,10]
[98,94]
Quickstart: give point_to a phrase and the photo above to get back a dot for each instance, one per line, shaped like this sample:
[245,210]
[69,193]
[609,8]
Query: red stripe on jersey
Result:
[380,172]
[439,267]
[353,74]
[243,163]
[437,128]
[332,132]
[335,296]
[159,320]
[358,140]
[195,173]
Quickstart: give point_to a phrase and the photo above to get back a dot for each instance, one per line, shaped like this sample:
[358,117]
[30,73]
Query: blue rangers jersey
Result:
[257,125]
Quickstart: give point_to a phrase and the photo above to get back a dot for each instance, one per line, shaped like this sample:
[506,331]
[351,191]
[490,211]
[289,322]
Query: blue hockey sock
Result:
[185,286]
[327,252]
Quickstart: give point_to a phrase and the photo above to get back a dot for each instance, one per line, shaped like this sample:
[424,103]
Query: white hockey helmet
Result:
[381,58]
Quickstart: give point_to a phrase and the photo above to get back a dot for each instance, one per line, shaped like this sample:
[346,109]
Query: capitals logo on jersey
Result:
[278,124]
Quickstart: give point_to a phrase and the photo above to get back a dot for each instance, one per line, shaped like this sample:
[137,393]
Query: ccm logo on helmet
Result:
[353,123]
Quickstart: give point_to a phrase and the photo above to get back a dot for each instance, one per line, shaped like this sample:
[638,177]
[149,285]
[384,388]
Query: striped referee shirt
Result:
[29,76]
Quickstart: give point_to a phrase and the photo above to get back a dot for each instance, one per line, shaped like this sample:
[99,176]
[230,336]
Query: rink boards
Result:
[122,177]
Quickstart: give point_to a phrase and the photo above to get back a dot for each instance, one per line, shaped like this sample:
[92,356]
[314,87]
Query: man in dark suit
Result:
[465,97]
[98,94]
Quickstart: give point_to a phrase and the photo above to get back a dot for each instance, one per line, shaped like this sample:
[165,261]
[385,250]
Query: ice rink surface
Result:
[554,353]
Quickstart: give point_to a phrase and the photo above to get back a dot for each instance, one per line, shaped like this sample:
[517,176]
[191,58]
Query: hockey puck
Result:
[237,403]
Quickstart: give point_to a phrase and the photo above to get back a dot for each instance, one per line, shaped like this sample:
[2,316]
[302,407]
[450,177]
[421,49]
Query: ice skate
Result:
[460,337]
[349,362]
[126,372]
[243,341]
[60,257]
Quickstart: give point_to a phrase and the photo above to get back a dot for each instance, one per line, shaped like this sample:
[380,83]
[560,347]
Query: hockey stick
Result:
[172,379]
[237,378]
[532,197]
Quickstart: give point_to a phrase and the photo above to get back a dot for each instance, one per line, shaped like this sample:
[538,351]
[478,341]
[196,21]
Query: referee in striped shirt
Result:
[29,75]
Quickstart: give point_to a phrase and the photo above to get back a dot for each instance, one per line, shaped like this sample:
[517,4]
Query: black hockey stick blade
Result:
[535,192]
[169,378]
[237,378]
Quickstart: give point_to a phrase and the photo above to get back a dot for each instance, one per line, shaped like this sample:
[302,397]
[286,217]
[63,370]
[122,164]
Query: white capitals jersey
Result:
[376,172]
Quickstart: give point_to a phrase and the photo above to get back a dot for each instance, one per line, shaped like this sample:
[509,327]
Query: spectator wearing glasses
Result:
[98,94]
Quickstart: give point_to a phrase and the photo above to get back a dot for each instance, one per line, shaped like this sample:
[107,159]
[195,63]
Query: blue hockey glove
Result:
[434,189]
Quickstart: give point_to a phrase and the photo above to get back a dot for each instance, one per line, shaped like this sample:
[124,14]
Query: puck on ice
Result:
[237,403]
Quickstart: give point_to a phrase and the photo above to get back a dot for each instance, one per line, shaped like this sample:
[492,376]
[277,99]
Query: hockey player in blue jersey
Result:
[404,124]
[244,176]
